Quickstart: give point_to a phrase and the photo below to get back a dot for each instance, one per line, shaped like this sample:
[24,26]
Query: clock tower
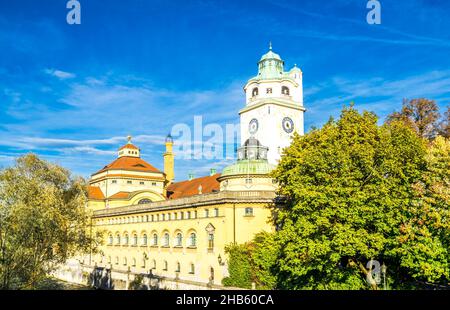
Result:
[274,106]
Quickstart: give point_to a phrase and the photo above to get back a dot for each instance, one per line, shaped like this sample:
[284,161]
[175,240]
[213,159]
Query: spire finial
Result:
[270,45]
[129,139]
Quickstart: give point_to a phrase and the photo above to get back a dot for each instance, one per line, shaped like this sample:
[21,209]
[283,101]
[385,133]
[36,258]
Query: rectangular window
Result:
[206,213]
[163,217]
[248,211]
[129,182]
[216,212]
[210,241]
[195,214]
[268,90]
[248,181]
[142,183]
[153,217]
[188,214]
[154,184]
[181,215]
[114,181]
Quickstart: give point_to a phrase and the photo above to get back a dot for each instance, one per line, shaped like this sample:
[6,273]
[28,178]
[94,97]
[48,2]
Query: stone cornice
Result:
[274,101]
[193,201]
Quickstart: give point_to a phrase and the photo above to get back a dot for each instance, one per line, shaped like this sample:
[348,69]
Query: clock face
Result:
[288,125]
[253,126]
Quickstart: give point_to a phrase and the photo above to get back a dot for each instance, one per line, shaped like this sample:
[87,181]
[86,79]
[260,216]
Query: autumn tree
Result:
[422,115]
[43,221]
[444,126]
[352,196]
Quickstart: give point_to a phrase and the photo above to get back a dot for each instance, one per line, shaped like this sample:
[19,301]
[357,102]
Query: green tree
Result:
[239,266]
[349,187]
[43,221]
[421,115]
[264,254]
[424,241]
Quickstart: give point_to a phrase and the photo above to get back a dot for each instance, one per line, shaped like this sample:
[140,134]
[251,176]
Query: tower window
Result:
[255,92]
[285,90]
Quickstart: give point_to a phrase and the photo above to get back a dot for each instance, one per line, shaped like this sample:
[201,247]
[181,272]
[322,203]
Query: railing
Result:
[203,199]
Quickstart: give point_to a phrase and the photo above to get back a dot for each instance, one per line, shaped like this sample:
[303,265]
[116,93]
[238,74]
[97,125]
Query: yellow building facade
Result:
[179,230]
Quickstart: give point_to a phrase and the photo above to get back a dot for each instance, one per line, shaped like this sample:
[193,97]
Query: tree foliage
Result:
[355,192]
[43,221]
[239,266]
[422,115]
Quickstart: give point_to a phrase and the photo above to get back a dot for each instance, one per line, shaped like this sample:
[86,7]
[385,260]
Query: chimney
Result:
[200,189]
[213,171]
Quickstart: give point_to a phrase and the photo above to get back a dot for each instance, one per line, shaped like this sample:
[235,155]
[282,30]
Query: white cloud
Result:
[62,75]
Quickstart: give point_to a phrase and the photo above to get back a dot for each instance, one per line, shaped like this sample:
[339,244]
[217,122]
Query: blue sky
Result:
[72,93]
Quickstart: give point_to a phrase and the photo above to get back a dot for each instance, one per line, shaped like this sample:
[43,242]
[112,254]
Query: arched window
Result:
[124,261]
[133,262]
[144,239]
[143,263]
[193,240]
[179,239]
[154,264]
[178,267]
[285,90]
[127,240]
[166,239]
[118,239]
[165,266]
[144,201]
[110,240]
[135,239]
[192,269]
[117,260]
[155,239]
[255,92]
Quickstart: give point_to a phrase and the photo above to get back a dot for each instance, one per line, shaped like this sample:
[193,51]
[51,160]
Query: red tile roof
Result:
[129,146]
[129,163]
[190,188]
[94,192]
[120,195]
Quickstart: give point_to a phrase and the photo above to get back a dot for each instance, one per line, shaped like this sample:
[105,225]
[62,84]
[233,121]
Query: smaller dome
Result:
[169,138]
[244,167]
[295,69]
[270,55]
[252,141]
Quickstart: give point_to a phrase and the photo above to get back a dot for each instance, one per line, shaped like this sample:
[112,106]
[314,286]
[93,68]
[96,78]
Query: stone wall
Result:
[110,279]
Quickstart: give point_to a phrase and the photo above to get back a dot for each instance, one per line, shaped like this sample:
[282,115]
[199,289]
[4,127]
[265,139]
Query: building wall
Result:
[230,222]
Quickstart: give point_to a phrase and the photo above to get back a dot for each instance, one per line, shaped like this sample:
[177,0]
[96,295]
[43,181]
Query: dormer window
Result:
[285,90]
[255,92]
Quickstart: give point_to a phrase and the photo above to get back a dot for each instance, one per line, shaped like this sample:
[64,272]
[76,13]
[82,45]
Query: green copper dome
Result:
[270,55]
[248,166]
[271,66]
